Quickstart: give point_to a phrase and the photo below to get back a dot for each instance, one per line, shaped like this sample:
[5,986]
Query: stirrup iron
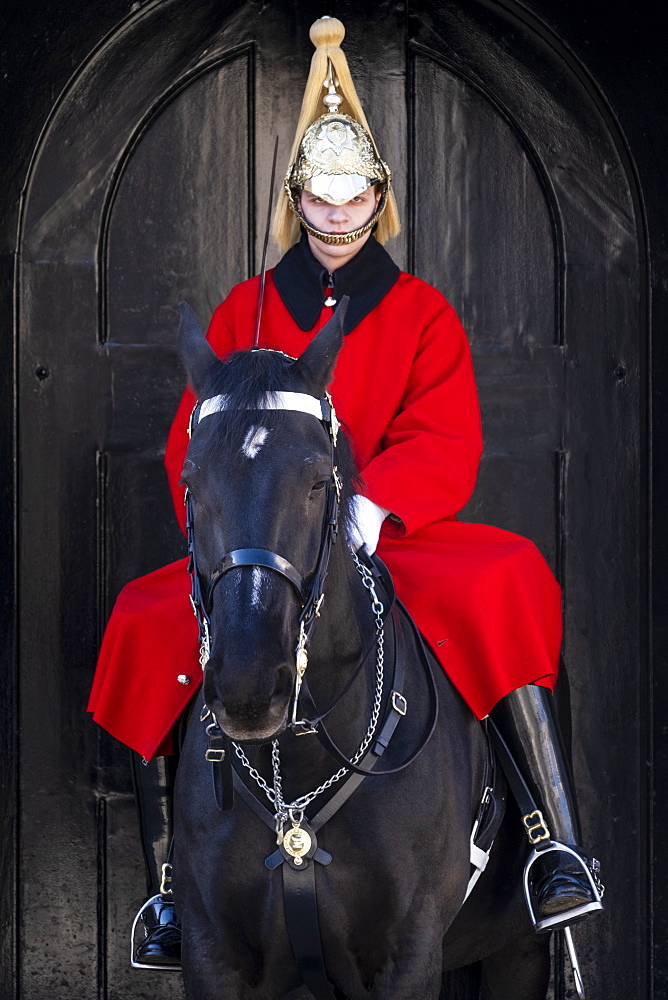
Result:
[560,920]
[134,944]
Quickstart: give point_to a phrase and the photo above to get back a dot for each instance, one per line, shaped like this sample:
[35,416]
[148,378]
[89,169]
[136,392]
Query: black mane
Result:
[246,378]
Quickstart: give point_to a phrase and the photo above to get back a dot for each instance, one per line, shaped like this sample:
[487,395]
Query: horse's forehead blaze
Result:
[253,441]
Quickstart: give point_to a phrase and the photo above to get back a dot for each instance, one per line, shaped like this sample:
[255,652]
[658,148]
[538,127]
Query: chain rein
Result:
[294,811]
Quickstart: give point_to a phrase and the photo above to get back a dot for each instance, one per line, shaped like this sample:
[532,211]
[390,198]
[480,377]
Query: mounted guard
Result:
[484,599]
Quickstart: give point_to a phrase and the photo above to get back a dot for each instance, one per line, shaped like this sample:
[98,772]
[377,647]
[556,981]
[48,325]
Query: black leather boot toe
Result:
[162,944]
[156,934]
[561,888]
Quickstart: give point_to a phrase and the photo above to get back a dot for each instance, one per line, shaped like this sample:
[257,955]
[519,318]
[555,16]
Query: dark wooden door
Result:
[149,185]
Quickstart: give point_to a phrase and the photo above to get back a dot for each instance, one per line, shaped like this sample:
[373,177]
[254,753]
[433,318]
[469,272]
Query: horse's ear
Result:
[316,364]
[197,356]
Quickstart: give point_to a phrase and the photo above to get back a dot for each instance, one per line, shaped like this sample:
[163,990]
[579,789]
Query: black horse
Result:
[389,905]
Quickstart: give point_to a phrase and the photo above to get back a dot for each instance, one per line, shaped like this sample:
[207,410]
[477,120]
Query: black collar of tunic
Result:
[300,280]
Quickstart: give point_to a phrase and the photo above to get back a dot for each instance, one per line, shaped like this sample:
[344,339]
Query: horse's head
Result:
[259,473]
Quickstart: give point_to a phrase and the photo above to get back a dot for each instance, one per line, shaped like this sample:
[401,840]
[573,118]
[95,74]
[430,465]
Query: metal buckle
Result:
[165,884]
[216,756]
[302,728]
[333,420]
[538,830]
[338,482]
[399,703]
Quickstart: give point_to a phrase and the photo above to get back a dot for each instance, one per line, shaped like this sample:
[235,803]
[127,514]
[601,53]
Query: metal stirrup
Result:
[153,901]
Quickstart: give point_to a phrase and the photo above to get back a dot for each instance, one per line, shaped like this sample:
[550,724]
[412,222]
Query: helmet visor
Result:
[337,189]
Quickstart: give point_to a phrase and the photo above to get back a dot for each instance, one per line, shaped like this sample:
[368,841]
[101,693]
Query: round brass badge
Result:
[297,842]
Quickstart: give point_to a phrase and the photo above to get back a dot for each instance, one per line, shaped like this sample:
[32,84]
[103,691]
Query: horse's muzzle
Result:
[249,717]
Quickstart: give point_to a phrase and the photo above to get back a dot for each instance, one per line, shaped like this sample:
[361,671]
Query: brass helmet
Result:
[334,155]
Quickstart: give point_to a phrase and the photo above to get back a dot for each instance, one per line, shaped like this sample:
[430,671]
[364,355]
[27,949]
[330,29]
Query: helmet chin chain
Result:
[336,239]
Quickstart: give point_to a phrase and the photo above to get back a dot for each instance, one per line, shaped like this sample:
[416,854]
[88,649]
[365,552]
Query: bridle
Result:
[297,852]
[310,590]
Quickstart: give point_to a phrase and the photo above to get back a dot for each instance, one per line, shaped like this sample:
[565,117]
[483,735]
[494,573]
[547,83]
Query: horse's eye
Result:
[319,486]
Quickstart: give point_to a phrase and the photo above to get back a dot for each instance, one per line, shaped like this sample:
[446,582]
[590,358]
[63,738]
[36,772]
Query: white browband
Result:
[299,401]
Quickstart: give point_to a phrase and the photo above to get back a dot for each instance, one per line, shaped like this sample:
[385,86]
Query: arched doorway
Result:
[150,185]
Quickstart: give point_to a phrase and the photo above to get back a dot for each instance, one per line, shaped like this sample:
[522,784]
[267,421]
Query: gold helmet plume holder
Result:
[332,99]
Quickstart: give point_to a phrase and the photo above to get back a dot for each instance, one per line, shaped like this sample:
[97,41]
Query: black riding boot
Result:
[160,946]
[563,886]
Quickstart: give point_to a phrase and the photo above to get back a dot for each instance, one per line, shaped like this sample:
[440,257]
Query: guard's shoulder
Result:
[240,299]
[244,289]
[431,298]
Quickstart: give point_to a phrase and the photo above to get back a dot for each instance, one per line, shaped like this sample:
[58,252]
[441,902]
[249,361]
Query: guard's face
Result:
[339,219]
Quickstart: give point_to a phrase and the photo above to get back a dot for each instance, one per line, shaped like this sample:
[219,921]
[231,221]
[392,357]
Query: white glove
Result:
[366,520]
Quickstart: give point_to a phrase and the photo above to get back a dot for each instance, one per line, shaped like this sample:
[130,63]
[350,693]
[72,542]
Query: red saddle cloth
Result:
[483,598]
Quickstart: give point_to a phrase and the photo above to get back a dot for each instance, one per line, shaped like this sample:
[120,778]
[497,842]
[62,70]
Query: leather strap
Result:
[277,858]
[300,905]
[391,723]
[519,787]
[252,802]
[381,573]
[257,557]
[300,900]
[219,753]
[379,747]
[489,816]
[493,805]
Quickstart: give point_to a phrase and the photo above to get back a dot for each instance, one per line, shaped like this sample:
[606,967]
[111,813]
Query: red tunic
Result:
[484,598]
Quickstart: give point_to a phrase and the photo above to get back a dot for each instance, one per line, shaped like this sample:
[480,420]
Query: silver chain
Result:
[204,645]
[595,869]
[294,811]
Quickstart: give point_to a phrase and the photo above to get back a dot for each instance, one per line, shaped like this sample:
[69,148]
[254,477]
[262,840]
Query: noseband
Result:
[310,592]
